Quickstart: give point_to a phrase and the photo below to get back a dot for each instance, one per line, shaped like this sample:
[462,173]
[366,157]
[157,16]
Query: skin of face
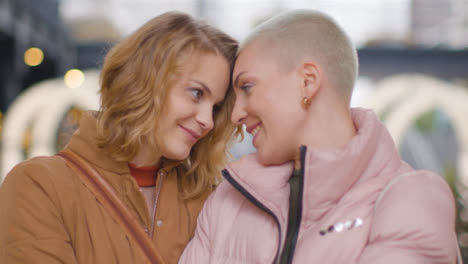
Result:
[190,105]
[268,103]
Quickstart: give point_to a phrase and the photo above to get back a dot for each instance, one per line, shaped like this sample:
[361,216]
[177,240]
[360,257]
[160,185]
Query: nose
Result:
[238,113]
[204,117]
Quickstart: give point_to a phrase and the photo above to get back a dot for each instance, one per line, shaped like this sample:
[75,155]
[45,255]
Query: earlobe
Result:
[306,102]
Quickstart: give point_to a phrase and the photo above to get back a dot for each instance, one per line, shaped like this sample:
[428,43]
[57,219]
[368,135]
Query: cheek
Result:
[178,104]
[173,146]
[178,114]
[177,109]
[166,129]
[281,140]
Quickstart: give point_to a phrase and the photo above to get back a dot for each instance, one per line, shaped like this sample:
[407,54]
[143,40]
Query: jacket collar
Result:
[328,174]
[83,142]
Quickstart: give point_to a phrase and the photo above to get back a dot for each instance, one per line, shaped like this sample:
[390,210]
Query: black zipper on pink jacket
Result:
[256,202]
[260,205]
[293,233]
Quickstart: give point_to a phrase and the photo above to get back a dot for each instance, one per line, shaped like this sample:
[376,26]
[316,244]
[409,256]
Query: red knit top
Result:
[144,176]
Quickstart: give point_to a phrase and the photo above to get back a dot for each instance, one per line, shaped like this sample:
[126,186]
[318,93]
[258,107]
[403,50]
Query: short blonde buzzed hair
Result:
[309,34]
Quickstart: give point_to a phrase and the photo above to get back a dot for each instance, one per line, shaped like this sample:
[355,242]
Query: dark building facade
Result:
[25,24]
[378,63]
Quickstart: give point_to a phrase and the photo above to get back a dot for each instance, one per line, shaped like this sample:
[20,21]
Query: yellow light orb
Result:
[33,57]
[74,78]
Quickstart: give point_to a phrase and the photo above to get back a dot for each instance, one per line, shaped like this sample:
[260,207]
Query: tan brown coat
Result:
[48,216]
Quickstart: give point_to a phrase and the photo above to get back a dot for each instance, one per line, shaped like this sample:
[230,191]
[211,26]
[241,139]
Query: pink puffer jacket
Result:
[245,220]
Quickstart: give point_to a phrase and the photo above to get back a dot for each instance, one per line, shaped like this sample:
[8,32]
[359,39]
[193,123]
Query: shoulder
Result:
[418,188]
[37,168]
[419,207]
[36,175]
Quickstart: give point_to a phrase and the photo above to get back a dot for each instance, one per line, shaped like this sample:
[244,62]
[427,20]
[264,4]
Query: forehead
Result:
[190,61]
[251,53]
[258,60]
[210,70]
[252,58]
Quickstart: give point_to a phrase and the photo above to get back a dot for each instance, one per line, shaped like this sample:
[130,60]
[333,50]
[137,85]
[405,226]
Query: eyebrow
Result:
[236,81]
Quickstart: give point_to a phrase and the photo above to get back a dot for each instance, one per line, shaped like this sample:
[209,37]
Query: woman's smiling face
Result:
[268,103]
[190,105]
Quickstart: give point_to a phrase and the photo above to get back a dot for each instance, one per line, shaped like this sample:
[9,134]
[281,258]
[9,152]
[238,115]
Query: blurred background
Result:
[413,70]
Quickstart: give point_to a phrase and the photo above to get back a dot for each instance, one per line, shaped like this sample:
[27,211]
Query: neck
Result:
[328,129]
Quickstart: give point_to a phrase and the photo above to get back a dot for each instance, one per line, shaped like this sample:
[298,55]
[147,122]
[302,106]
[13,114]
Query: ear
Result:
[311,78]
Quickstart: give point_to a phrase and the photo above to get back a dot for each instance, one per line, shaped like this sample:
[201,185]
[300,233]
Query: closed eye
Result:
[246,87]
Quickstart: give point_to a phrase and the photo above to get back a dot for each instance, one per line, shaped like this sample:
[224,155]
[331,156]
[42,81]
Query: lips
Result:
[192,133]
[252,127]
[253,130]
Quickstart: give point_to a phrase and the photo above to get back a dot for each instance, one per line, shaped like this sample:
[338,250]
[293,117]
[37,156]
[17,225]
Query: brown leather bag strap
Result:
[110,201]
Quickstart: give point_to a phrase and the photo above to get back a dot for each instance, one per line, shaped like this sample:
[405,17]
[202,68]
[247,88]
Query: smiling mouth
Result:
[193,134]
[255,130]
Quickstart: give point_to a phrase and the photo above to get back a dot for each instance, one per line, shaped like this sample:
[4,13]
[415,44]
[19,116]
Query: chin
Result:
[180,154]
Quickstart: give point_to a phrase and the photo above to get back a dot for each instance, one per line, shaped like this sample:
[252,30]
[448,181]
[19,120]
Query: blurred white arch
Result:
[43,104]
[404,98]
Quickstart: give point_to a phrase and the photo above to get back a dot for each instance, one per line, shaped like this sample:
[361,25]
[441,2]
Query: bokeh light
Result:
[33,57]
[74,78]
